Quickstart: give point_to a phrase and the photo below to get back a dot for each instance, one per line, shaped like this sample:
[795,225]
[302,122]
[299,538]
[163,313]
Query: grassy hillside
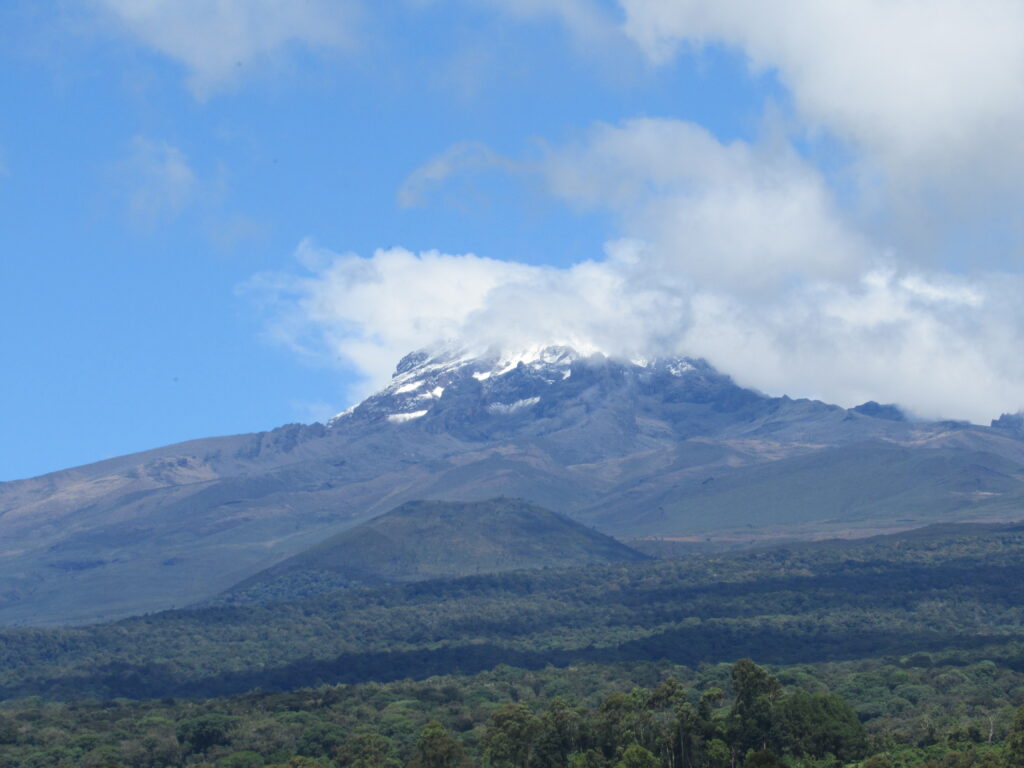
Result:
[434,539]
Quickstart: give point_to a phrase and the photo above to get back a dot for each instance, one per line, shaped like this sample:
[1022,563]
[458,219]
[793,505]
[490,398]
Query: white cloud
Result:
[464,157]
[734,215]
[940,346]
[158,180]
[215,40]
[367,313]
[733,252]
[928,90]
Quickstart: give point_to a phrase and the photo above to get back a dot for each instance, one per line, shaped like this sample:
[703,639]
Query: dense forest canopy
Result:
[898,651]
[605,716]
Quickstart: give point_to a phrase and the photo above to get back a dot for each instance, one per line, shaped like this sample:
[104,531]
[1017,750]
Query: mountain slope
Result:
[949,589]
[625,445]
[431,539]
[862,488]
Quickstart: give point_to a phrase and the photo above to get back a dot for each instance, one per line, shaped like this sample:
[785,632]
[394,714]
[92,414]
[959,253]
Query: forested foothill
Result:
[903,650]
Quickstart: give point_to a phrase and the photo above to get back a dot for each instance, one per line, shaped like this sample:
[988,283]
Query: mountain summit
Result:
[665,447]
[540,389]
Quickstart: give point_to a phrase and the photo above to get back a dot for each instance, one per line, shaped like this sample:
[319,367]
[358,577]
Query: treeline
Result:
[953,593]
[724,716]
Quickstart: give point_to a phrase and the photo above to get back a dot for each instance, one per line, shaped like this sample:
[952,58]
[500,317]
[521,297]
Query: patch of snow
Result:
[507,408]
[679,367]
[536,356]
[398,418]
[438,391]
[482,376]
[339,416]
[412,386]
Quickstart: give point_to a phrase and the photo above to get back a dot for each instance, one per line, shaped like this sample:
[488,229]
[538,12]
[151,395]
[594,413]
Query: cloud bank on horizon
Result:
[874,280]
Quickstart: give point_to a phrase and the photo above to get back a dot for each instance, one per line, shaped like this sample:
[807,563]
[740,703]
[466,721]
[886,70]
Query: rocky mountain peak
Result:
[508,382]
[1010,422]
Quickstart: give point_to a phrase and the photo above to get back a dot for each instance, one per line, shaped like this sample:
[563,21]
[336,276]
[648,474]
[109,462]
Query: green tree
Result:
[816,725]
[717,754]
[756,691]
[8,731]
[436,748]
[366,749]
[1015,741]
[303,762]
[560,734]
[510,736]
[592,758]
[246,759]
[762,758]
[635,756]
[198,734]
[321,740]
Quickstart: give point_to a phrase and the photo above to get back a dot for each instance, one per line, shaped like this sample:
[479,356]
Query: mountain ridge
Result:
[626,446]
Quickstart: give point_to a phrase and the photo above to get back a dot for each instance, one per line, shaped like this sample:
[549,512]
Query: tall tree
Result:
[1015,741]
[436,748]
[755,690]
[510,736]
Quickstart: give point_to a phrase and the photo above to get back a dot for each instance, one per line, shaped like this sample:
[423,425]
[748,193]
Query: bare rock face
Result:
[665,447]
[1010,422]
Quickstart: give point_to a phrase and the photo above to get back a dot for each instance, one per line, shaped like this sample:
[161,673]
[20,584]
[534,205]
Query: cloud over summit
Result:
[752,253]
[939,345]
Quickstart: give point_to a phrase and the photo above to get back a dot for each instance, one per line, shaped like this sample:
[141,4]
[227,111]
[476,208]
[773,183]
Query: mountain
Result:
[645,448]
[432,539]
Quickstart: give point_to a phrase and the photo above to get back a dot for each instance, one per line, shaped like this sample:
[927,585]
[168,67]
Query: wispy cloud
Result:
[462,158]
[218,40]
[157,179]
[588,21]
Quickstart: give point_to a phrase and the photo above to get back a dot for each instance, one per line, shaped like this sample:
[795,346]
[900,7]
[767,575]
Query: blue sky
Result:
[193,196]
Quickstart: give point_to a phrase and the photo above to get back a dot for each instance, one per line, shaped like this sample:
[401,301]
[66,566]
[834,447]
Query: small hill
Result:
[434,539]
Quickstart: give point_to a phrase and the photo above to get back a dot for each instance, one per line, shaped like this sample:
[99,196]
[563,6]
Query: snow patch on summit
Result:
[508,381]
[399,418]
